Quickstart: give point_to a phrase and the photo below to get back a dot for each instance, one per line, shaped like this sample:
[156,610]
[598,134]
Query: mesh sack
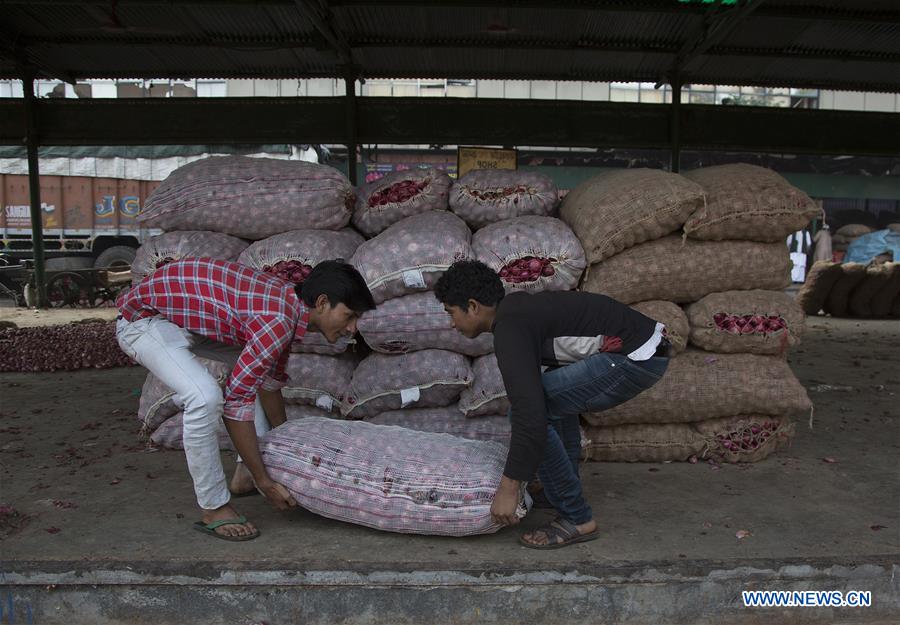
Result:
[670,315]
[316,343]
[399,195]
[748,202]
[819,281]
[684,271]
[172,246]
[448,421]
[415,322]
[838,299]
[412,254]
[663,442]
[157,401]
[170,433]
[744,438]
[252,198]
[388,478]
[485,196]
[877,277]
[531,253]
[698,385]
[881,301]
[619,209]
[318,380]
[754,322]
[425,379]
[292,255]
[487,394]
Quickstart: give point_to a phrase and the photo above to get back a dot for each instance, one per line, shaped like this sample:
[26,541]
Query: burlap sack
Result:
[838,300]
[753,322]
[819,282]
[674,442]
[318,380]
[748,202]
[430,378]
[399,195]
[509,247]
[170,433]
[386,477]
[744,438]
[882,300]
[698,385]
[486,196]
[292,255]
[684,271]
[172,246]
[414,322]
[411,255]
[316,343]
[252,198]
[670,315]
[877,277]
[157,401]
[448,420]
[487,394]
[618,209]
[853,231]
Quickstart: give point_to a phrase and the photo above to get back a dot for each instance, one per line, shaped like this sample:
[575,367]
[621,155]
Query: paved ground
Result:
[98,508]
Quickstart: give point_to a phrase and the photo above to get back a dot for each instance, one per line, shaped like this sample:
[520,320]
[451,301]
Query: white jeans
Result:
[170,353]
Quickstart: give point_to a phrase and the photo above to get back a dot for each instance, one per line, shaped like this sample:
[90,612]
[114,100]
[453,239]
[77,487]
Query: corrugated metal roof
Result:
[802,43]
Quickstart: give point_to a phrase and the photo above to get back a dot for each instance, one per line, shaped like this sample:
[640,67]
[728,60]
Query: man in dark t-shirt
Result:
[560,354]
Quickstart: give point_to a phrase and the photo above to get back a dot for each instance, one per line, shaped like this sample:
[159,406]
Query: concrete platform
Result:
[108,538]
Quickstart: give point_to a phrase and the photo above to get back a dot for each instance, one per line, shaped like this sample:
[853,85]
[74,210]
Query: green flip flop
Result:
[210,528]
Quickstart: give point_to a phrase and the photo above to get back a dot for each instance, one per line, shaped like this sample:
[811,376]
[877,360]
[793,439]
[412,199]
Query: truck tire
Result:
[68,263]
[117,256]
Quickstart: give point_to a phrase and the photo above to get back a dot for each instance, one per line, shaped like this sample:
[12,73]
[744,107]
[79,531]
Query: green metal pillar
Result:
[34,185]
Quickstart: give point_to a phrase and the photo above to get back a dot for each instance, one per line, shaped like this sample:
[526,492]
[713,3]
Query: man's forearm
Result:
[243,434]
[273,405]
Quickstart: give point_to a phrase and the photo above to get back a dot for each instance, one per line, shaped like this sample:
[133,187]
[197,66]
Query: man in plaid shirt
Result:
[246,318]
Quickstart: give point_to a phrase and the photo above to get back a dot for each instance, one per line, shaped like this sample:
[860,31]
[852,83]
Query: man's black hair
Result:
[340,282]
[469,279]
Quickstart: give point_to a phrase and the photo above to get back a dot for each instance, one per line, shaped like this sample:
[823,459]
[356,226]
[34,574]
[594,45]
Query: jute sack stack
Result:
[170,434]
[292,255]
[698,385]
[838,301]
[531,253]
[882,300]
[670,315]
[430,378]
[753,322]
[732,439]
[171,246]
[388,478]
[747,202]
[251,198]
[683,271]
[485,196]
[415,322]
[619,209]
[448,420]
[399,195]
[819,281]
[877,277]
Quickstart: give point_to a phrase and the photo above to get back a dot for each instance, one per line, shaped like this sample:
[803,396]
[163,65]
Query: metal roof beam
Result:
[716,26]
[320,18]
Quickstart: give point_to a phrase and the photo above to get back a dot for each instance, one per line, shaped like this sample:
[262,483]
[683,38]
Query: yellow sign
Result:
[469,158]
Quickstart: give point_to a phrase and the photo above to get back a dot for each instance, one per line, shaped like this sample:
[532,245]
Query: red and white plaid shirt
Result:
[232,304]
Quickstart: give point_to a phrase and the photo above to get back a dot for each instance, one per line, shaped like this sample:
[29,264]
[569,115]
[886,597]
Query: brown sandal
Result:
[560,533]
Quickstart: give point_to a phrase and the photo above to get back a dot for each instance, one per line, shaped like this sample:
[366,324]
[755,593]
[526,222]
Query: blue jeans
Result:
[591,385]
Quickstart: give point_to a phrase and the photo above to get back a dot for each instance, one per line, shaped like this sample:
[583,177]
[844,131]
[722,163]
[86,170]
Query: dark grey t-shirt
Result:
[556,328]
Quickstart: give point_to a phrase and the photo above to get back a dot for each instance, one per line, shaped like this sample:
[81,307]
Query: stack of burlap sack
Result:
[703,253]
